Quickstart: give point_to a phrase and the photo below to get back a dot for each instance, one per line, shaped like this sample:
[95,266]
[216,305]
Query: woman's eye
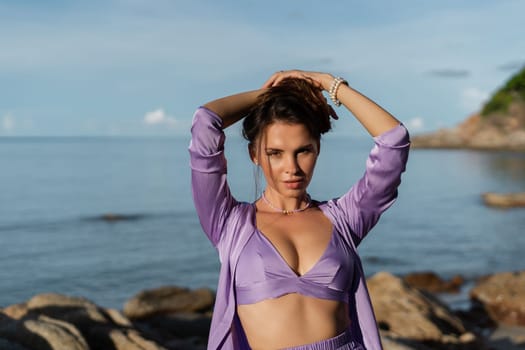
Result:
[270,154]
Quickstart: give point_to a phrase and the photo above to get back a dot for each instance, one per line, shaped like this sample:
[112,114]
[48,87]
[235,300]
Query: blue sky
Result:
[141,67]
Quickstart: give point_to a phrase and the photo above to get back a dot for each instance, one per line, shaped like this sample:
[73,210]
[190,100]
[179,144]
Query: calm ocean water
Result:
[53,192]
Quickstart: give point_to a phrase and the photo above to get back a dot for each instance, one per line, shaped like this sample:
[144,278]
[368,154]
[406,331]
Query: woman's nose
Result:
[291,167]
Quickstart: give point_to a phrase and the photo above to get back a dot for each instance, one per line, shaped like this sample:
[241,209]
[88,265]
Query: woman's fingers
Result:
[277,77]
[270,82]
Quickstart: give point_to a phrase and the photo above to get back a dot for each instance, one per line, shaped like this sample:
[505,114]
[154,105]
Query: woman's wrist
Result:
[334,88]
[326,80]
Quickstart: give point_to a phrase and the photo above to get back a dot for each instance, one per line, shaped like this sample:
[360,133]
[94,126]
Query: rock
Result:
[181,325]
[16,311]
[508,338]
[405,312]
[9,345]
[144,343]
[431,282]
[41,333]
[131,340]
[187,344]
[118,318]
[43,300]
[391,343]
[503,297]
[168,299]
[476,318]
[504,200]
[72,309]
[46,318]
[58,334]
[14,332]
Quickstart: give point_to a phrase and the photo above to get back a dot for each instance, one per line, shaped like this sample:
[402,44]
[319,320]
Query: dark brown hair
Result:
[294,101]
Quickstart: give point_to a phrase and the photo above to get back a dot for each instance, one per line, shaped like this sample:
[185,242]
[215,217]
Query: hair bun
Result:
[296,101]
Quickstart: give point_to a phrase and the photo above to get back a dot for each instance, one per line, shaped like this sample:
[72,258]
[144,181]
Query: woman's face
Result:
[287,154]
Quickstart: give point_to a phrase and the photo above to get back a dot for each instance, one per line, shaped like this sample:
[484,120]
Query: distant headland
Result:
[500,125]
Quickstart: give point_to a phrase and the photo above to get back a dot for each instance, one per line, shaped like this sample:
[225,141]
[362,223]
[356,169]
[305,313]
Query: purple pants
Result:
[341,342]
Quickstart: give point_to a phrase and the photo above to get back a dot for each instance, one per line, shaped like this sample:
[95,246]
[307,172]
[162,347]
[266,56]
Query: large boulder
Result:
[54,321]
[76,310]
[408,314]
[181,325]
[169,299]
[59,334]
[123,339]
[15,311]
[429,281]
[40,333]
[392,343]
[503,297]
[9,345]
[508,338]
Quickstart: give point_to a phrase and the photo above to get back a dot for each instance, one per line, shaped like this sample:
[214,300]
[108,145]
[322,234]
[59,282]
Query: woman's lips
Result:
[294,184]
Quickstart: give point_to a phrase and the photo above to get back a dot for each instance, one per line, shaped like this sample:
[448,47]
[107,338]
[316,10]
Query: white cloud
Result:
[159,117]
[8,123]
[473,98]
[415,124]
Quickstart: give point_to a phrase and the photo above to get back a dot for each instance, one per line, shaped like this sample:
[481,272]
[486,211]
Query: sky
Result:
[141,67]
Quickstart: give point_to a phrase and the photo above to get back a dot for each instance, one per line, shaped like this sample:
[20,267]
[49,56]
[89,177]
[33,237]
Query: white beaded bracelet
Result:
[333,90]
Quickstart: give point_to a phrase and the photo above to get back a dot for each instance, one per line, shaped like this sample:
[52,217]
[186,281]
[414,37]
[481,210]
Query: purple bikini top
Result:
[262,273]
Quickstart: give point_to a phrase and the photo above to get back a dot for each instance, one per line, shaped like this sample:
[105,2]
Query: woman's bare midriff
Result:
[292,320]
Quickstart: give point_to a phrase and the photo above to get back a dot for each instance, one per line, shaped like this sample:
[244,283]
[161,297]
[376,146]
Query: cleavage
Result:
[282,260]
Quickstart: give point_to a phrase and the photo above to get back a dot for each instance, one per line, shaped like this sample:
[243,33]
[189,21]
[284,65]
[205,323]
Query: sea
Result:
[57,193]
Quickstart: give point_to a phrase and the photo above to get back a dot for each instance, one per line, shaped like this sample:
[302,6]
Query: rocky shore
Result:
[494,132]
[499,125]
[409,313]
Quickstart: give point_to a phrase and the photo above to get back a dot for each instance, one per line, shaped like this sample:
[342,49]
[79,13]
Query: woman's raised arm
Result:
[211,193]
[373,117]
[233,108]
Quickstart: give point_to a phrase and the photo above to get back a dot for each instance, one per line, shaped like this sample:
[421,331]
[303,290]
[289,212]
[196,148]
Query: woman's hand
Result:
[320,80]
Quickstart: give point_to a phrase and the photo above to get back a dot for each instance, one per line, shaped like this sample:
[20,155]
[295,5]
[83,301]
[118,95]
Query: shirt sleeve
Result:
[376,190]
[211,193]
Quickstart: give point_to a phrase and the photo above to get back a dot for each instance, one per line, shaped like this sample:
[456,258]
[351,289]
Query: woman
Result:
[290,274]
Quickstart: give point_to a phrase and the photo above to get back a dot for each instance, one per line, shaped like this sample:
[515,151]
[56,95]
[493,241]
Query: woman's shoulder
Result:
[240,224]
[242,213]
[326,206]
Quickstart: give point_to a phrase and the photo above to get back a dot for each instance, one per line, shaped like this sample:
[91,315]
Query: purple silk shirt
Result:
[229,223]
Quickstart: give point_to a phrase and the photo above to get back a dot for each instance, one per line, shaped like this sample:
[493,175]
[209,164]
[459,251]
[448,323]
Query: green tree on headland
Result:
[513,89]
